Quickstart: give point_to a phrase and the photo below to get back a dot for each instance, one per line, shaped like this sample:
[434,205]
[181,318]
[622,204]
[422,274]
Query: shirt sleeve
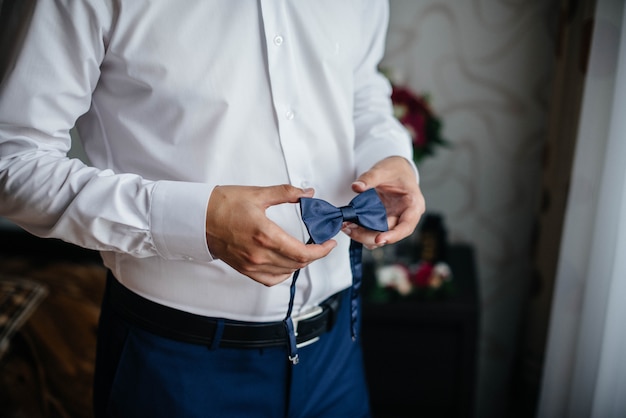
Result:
[378,134]
[46,88]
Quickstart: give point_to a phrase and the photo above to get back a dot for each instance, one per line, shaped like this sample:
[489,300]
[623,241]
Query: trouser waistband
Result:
[197,329]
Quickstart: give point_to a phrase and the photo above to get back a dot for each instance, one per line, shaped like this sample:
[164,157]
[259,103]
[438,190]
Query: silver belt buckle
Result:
[316,310]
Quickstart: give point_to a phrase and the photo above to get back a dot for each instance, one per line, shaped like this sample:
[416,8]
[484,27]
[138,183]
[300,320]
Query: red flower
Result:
[421,278]
[414,112]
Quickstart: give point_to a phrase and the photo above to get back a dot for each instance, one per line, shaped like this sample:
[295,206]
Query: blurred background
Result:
[525,91]
[489,68]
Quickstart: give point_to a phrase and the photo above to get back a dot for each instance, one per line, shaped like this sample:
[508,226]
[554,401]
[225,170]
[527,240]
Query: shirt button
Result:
[289,115]
[278,40]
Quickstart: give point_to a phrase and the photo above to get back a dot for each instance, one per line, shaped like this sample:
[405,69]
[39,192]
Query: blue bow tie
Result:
[323,220]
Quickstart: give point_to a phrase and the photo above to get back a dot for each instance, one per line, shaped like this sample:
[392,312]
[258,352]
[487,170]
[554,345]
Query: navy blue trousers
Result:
[139,374]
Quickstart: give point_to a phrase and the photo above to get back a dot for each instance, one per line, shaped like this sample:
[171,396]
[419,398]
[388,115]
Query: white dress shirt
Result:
[172,98]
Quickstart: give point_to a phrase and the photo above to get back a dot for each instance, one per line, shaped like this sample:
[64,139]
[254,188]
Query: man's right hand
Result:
[239,233]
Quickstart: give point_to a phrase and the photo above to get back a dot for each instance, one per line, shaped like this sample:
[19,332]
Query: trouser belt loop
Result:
[217,335]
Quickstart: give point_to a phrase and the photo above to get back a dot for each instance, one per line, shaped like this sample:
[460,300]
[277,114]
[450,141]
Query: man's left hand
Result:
[395,182]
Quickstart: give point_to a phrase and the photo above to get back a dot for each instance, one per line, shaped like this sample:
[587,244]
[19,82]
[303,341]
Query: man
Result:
[205,122]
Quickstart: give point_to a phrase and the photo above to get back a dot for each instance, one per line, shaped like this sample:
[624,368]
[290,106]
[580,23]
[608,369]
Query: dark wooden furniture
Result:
[420,355]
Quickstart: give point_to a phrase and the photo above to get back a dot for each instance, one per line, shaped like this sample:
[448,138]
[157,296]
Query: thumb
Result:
[366,181]
[284,193]
[389,169]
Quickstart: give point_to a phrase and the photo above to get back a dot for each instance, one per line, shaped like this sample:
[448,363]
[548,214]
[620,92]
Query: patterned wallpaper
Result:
[487,65]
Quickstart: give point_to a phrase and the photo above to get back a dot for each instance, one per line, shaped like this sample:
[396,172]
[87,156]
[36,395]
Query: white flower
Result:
[394,276]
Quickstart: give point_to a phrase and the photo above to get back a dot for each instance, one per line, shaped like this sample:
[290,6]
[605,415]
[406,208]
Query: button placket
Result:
[283,77]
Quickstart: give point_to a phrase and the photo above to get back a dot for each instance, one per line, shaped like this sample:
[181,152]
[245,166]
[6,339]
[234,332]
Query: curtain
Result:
[14,19]
[584,372]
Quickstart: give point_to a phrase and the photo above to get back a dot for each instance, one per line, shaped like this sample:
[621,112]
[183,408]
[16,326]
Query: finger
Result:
[263,264]
[389,169]
[375,239]
[275,247]
[273,273]
[274,266]
[364,236]
[282,265]
[402,226]
[368,180]
[398,233]
[289,251]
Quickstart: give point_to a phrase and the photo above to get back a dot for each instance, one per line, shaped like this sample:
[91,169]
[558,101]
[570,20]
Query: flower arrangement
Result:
[425,274]
[416,114]
[421,280]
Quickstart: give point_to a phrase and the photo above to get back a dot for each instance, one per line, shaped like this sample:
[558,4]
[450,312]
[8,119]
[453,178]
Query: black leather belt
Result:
[197,329]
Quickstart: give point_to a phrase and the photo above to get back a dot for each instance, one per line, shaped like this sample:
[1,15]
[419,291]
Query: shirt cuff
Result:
[178,220]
